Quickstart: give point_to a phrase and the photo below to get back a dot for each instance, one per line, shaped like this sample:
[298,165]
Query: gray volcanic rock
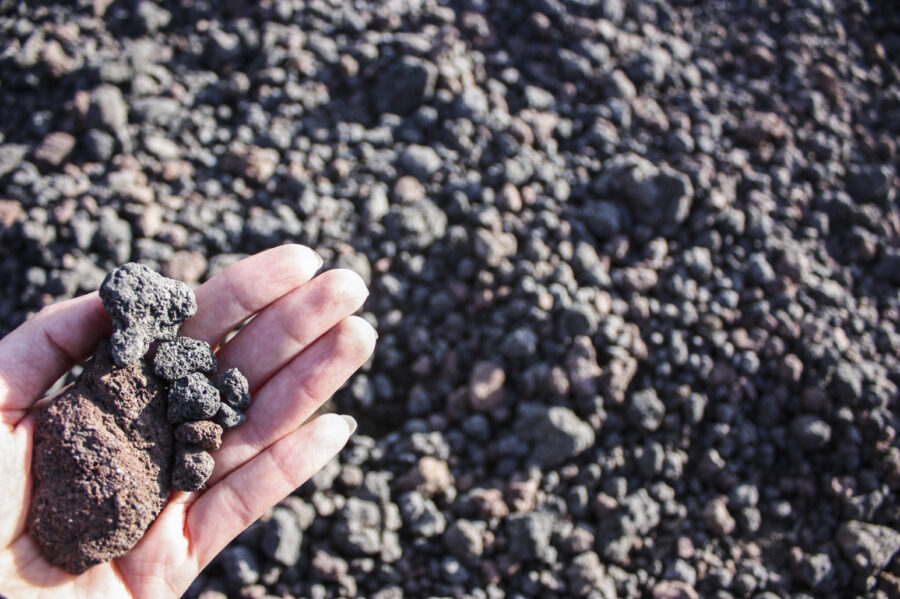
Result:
[102,456]
[179,358]
[234,388]
[144,307]
[192,398]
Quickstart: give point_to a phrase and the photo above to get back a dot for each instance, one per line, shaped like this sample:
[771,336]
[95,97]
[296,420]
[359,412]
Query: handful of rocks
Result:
[110,447]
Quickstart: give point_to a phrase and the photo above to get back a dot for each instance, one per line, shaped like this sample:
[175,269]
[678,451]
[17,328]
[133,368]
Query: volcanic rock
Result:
[101,465]
[144,307]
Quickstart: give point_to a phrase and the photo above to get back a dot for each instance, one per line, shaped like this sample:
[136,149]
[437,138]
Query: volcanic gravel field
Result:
[634,267]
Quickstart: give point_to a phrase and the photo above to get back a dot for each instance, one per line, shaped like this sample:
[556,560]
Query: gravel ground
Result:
[634,266]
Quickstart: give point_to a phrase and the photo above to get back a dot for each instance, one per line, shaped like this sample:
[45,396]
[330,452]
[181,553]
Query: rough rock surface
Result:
[101,465]
[204,433]
[179,358]
[234,389]
[144,307]
[192,398]
[193,466]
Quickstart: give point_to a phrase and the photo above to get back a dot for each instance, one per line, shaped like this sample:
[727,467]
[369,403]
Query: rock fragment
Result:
[203,433]
[183,356]
[234,389]
[54,149]
[868,547]
[101,464]
[193,467]
[144,307]
[193,398]
[556,433]
[228,417]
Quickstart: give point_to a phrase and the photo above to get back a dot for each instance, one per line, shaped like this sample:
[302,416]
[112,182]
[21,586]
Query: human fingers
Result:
[291,324]
[36,354]
[296,391]
[246,287]
[232,504]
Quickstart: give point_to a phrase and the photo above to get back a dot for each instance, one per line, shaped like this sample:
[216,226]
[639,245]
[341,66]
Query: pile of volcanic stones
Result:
[199,410]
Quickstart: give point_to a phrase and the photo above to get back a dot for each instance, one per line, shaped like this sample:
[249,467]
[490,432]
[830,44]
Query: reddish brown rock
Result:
[101,464]
[204,433]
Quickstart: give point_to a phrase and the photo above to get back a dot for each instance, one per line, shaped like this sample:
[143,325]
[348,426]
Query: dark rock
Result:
[405,85]
[240,566]
[101,464]
[234,389]
[108,110]
[811,432]
[465,540]
[193,398]
[54,149]
[420,161]
[358,528]
[144,307]
[193,467]
[99,145]
[646,410]
[281,537]
[421,515]
[586,574]
[556,434]
[183,356]
[229,418]
[529,536]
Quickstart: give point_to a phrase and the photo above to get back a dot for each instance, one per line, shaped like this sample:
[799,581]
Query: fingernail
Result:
[351,422]
[321,261]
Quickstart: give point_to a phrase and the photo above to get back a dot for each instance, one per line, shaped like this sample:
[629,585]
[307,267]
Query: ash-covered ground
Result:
[634,265]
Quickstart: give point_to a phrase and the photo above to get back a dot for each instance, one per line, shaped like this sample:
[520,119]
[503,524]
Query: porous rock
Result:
[193,466]
[228,417]
[144,307]
[192,398]
[179,358]
[101,464]
[868,547]
[234,389]
[204,433]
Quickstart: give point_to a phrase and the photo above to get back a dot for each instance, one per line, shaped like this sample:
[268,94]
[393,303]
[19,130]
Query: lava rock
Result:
[556,433]
[358,528]
[193,398]
[529,536]
[405,85]
[204,433]
[54,149]
[193,467]
[281,537]
[868,547]
[646,410]
[144,307]
[183,356]
[101,464]
[234,389]
[229,418]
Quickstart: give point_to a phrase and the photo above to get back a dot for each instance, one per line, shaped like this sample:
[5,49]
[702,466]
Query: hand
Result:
[301,346]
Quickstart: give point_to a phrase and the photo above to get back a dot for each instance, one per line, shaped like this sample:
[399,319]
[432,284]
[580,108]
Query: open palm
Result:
[301,346]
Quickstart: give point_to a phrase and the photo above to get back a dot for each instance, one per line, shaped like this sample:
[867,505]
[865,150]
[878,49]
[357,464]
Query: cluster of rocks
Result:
[199,410]
[633,266]
[107,447]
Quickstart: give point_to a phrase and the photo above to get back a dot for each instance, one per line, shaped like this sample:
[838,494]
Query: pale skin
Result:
[301,346]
